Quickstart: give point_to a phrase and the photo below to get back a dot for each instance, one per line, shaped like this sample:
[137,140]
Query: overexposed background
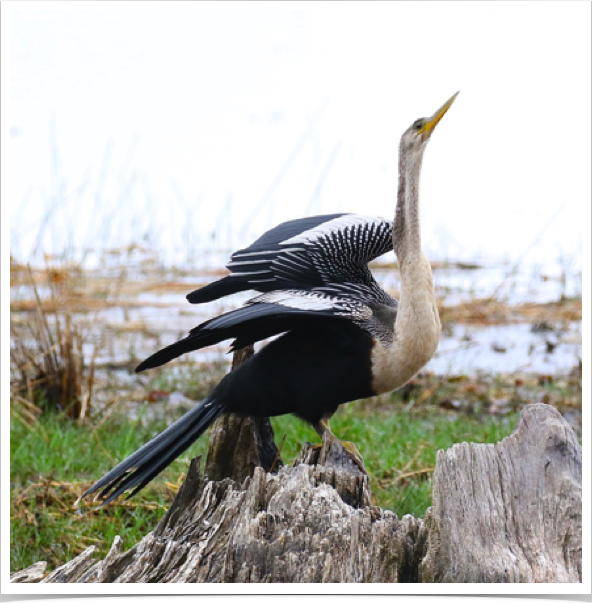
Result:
[195,126]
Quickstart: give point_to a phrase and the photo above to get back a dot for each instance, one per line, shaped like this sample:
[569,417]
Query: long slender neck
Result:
[417,325]
[406,230]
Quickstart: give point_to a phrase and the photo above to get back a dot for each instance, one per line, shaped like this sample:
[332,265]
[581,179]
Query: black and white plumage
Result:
[328,253]
[310,269]
[341,336]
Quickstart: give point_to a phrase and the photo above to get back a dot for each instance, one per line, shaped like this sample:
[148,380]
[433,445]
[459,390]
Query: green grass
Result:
[55,460]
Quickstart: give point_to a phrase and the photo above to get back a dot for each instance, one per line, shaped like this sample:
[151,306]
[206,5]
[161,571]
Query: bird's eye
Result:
[418,125]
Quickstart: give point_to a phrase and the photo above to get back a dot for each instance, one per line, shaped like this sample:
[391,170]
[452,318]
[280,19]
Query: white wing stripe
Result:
[316,302]
[305,301]
[314,234]
[248,273]
[282,261]
[267,252]
[246,263]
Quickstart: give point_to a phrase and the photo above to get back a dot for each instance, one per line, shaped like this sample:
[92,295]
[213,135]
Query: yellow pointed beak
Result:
[432,122]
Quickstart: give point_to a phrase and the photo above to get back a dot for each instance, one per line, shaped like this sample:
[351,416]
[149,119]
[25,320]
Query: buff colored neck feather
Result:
[417,326]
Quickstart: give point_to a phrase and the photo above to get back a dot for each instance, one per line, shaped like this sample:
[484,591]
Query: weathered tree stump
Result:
[509,512]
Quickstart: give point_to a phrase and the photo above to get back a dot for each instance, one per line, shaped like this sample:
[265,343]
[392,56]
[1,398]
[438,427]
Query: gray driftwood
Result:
[509,512]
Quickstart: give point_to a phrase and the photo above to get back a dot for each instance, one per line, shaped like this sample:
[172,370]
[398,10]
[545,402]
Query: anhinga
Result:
[344,338]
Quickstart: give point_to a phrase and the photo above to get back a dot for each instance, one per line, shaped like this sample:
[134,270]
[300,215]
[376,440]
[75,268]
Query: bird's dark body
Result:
[308,372]
[322,355]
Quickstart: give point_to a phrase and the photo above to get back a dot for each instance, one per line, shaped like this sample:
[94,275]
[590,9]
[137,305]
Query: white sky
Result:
[229,121]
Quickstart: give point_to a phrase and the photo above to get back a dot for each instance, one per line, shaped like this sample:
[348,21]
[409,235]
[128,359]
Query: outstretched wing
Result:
[264,316]
[306,253]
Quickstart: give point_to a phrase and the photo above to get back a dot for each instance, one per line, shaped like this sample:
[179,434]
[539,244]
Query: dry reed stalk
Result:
[47,355]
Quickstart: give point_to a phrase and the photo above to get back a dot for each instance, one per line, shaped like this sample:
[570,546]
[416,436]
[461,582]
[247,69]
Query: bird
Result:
[340,336]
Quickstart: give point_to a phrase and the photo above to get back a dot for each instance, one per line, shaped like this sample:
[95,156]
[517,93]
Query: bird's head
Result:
[415,138]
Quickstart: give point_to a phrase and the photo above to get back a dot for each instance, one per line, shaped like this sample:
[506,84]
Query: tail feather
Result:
[146,463]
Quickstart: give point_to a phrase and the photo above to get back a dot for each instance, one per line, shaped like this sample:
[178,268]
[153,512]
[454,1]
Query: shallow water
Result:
[508,349]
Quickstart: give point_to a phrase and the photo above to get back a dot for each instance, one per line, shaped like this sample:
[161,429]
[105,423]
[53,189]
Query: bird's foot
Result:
[348,447]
